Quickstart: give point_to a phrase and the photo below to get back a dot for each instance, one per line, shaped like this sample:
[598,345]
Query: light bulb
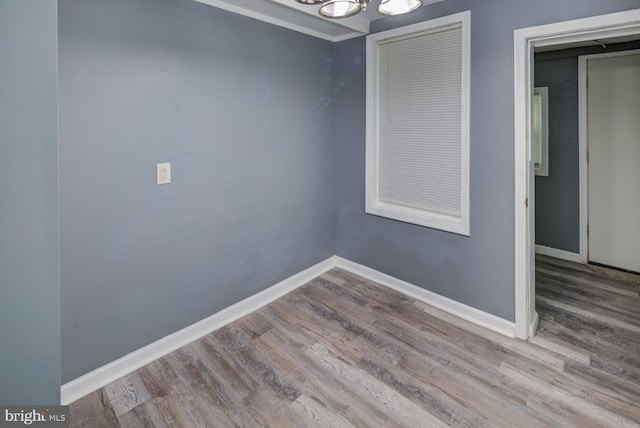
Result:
[398,7]
[340,8]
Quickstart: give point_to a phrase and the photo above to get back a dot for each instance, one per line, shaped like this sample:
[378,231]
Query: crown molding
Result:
[297,17]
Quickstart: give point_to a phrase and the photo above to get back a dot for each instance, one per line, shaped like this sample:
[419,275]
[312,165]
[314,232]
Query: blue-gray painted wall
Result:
[476,270]
[268,169]
[557,198]
[29,250]
[242,111]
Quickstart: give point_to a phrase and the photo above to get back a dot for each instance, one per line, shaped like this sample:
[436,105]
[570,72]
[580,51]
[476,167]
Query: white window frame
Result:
[373,204]
[543,169]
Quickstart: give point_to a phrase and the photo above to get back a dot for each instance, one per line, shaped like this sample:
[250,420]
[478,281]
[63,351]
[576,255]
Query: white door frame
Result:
[583,123]
[525,40]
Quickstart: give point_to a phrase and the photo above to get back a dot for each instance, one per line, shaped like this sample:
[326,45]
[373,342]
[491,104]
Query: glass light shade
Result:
[341,8]
[398,7]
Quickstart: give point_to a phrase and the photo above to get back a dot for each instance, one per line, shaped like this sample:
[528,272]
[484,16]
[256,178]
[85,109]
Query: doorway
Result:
[622,24]
[610,107]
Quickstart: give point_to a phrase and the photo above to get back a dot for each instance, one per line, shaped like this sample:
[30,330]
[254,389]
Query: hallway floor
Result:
[593,310]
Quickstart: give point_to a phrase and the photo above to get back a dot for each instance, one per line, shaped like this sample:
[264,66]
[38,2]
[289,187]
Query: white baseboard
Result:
[558,254]
[458,309]
[96,379]
[534,324]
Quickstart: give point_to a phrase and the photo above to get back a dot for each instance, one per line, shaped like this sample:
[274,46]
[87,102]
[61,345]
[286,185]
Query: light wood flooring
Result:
[345,352]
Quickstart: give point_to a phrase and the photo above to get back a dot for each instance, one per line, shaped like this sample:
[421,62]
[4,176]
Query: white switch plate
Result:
[163,173]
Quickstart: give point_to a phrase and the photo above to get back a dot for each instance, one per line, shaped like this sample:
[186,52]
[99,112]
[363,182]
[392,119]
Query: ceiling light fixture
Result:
[335,9]
[398,7]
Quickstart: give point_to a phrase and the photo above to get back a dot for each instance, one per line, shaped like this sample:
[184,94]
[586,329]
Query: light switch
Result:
[163,173]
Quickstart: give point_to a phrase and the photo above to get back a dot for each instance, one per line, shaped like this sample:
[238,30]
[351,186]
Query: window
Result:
[540,131]
[418,124]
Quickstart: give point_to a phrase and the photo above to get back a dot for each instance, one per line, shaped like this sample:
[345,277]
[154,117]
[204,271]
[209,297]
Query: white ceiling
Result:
[303,18]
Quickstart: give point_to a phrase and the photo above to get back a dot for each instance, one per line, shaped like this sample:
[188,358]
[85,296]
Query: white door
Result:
[614,160]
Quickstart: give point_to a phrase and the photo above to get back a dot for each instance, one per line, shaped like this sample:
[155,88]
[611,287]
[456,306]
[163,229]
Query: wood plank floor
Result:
[344,352]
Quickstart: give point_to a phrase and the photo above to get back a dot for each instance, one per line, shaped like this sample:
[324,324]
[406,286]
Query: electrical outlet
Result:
[163,173]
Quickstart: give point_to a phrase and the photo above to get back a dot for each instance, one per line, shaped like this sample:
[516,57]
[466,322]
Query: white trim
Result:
[96,379]
[373,205]
[583,170]
[579,30]
[358,23]
[346,37]
[534,325]
[558,254]
[583,138]
[523,183]
[468,313]
[358,27]
[543,92]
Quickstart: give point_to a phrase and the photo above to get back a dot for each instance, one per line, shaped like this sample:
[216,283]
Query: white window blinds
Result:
[418,131]
[540,131]
[420,97]
[537,130]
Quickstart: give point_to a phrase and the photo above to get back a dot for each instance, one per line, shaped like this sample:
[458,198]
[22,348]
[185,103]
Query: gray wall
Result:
[558,195]
[241,109]
[29,268]
[476,270]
